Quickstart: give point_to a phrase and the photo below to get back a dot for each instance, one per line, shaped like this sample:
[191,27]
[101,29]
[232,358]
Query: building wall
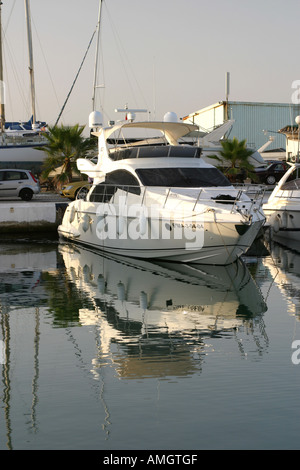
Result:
[250,120]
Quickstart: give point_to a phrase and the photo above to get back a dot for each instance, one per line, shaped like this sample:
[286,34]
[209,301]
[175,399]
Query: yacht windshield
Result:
[182,177]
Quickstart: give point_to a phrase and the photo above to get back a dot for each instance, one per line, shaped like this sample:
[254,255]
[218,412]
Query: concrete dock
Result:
[43,213]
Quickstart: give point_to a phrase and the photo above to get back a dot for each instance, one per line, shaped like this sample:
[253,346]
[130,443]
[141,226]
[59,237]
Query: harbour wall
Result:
[24,217]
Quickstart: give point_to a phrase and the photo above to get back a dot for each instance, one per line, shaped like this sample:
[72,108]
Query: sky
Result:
[159,55]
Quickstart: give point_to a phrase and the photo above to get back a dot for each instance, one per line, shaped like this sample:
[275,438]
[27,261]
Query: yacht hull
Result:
[209,240]
[22,156]
[282,210]
[284,221]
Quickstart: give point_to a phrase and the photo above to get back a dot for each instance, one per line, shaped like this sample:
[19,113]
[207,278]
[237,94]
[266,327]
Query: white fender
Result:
[72,214]
[86,273]
[143,300]
[276,223]
[101,284]
[85,222]
[121,291]
[121,225]
[101,223]
[284,219]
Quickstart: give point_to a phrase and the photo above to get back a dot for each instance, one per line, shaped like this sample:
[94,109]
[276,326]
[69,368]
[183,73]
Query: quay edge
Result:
[26,217]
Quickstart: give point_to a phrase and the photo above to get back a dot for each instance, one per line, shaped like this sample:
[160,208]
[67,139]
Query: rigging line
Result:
[15,73]
[9,16]
[73,84]
[121,48]
[44,57]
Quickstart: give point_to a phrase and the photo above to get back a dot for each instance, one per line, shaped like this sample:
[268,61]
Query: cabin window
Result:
[119,179]
[182,177]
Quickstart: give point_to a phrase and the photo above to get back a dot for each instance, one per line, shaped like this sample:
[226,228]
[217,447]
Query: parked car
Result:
[75,189]
[18,183]
[271,173]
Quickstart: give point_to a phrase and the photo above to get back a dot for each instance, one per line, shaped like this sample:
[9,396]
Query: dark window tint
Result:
[15,175]
[123,178]
[182,177]
[119,179]
[156,152]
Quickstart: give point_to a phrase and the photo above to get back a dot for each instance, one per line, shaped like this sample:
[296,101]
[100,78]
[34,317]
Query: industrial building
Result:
[258,123]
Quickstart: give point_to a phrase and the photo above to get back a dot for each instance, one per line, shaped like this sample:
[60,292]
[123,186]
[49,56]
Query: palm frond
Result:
[65,144]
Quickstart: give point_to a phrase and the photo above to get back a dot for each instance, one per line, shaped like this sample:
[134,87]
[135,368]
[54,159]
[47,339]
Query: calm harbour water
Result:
[107,353]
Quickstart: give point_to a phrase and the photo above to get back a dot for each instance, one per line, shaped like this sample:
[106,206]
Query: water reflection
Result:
[21,268]
[139,319]
[284,267]
[155,319]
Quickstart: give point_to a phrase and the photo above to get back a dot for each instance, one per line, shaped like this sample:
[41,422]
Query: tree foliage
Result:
[65,145]
[236,156]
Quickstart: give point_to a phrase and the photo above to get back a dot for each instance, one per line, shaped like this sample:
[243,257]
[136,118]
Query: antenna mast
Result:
[31,72]
[97,58]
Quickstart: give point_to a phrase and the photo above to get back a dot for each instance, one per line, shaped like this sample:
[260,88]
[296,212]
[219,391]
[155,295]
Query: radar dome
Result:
[131,116]
[95,119]
[170,117]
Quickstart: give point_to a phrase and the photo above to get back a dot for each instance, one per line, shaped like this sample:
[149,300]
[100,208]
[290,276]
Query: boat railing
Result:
[292,185]
[16,140]
[106,193]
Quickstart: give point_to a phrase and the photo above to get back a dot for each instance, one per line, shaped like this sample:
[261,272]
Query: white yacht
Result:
[161,201]
[282,209]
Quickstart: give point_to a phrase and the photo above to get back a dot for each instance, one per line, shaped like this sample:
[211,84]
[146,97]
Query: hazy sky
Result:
[163,55]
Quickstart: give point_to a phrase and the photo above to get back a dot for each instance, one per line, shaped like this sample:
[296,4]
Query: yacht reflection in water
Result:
[139,320]
[154,318]
[284,268]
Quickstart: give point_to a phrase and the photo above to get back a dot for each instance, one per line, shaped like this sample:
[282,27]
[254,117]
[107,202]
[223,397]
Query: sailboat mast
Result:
[97,57]
[2,97]
[31,72]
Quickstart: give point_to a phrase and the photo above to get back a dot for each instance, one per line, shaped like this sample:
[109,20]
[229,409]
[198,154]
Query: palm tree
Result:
[236,155]
[65,145]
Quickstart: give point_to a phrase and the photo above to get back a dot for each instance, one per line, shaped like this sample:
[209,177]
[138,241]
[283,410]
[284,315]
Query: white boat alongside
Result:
[210,143]
[161,202]
[282,209]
